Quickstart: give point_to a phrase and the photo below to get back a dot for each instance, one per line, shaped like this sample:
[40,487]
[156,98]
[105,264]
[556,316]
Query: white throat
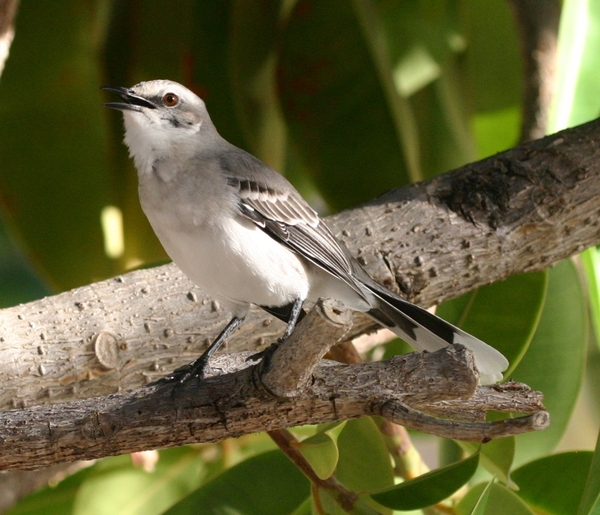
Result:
[150,142]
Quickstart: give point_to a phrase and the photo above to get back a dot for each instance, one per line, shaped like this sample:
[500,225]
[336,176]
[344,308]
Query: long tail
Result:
[429,332]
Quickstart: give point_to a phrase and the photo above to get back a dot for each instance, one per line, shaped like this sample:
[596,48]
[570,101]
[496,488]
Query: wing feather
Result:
[289,219]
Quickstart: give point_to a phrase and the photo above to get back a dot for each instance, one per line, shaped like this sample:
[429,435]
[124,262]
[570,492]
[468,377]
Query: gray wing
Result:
[274,205]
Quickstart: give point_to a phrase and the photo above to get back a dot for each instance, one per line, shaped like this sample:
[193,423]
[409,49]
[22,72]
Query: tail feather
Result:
[426,331]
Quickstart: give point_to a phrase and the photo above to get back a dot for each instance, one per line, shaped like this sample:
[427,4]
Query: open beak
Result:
[133,102]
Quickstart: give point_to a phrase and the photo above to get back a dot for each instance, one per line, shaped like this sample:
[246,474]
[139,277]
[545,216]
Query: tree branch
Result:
[288,445]
[235,402]
[537,21]
[288,372]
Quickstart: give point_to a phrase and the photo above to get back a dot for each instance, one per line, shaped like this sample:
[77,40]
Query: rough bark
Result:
[235,402]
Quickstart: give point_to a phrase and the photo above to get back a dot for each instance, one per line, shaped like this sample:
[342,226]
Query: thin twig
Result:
[289,446]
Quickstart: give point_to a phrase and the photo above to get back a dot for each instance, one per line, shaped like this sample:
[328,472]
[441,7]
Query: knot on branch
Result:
[436,393]
[288,369]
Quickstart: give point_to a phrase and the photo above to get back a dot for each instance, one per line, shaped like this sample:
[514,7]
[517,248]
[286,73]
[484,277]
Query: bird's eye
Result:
[170,99]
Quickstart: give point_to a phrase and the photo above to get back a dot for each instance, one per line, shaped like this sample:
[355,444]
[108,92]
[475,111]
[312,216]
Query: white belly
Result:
[236,262]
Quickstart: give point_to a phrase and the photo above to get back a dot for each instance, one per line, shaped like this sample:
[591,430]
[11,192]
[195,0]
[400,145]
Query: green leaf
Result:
[555,360]
[361,506]
[496,456]
[53,184]
[361,443]
[267,484]
[135,491]
[590,502]
[421,45]
[591,266]
[211,47]
[554,484]
[252,68]
[481,503]
[321,450]
[576,99]
[336,103]
[414,46]
[19,282]
[504,314]
[60,497]
[501,501]
[305,508]
[496,131]
[595,509]
[492,52]
[132,490]
[430,488]
[162,48]
[451,133]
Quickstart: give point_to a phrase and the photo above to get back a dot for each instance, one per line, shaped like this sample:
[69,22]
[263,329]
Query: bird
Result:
[240,231]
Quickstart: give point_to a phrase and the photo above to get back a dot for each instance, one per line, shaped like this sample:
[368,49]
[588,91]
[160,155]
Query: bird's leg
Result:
[196,368]
[291,325]
[294,315]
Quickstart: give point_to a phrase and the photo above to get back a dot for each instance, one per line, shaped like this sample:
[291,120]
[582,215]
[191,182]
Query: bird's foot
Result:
[265,355]
[186,373]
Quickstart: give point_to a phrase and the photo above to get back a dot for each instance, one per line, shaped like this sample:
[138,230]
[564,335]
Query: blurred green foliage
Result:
[348,99]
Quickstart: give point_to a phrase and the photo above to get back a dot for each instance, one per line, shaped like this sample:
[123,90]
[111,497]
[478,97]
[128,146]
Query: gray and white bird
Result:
[241,231]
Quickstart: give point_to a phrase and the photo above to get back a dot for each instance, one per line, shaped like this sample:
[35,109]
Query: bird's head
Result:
[160,115]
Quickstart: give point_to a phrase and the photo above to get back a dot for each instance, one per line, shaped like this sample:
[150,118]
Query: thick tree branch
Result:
[235,402]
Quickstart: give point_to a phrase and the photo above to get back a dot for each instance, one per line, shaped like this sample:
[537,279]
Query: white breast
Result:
[235,261]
